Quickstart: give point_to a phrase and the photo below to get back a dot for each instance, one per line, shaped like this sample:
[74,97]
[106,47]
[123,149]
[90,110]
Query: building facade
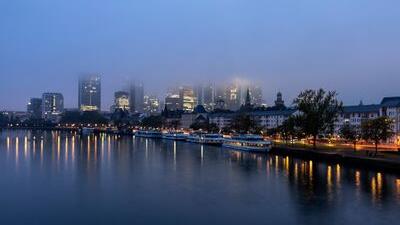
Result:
[188,99]
[89,94]
[34,108]
[136,91]
[151,105]
[52,106]
[121,100]
[390,107]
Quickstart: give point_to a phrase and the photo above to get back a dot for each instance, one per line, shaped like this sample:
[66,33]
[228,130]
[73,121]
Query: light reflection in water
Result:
[329,179]
[41,151]
[73,148]
[66,149]
[338,175]
[309,176]
[88,149]
[95,148]
[58,148]
[8,143]
[202,153]
[25,147]
[357,180]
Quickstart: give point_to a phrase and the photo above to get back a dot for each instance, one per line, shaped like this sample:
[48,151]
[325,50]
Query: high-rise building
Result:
[151,104]
[89,96]
[204,95]
[136,97]
[52,105]
[186,94]
[34,108]
[208,97]
[256,95]
[173,102]
[121,100]
[233,97]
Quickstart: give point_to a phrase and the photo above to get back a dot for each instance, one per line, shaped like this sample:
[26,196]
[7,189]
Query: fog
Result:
[349,46]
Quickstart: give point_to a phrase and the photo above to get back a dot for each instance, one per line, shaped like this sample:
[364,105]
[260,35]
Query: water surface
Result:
[62,178]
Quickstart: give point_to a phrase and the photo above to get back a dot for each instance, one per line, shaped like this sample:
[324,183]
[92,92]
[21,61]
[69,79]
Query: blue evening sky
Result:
[352,46]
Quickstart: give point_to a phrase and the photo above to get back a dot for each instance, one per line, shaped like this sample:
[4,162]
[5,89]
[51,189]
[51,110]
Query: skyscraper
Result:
[89,97]
[173,102]
[256,95]
[204,95]
[34,108]
[121,100]
[52,105]
[186,94]
[151,104]
[233,97]
[136,98]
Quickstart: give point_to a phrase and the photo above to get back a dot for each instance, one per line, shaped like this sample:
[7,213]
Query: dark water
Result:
[64,179]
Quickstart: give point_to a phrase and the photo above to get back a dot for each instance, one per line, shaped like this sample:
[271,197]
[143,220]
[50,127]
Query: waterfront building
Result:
[271,119]
[199,115]
[34,108]
[390,107]
[222,118]
[89,95]
[136,97]
[52,106]
[355,115]
[121,100]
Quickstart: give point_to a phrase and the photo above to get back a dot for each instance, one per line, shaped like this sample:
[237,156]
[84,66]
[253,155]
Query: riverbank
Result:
[385,161]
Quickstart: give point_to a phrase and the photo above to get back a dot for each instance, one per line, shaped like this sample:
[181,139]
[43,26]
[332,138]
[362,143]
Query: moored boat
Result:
[148,134]
[175,135]
[251,143]
[205,138]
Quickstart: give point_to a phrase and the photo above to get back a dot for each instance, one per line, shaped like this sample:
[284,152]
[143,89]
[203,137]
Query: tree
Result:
[152,121]
[120,118]
[83,117]
[3,120]
[243,123]
[210,127]
[291,128]
[377,130]
[350,133]
[318,110]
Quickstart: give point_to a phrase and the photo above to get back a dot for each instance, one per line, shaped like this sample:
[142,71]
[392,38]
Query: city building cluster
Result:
[186,105]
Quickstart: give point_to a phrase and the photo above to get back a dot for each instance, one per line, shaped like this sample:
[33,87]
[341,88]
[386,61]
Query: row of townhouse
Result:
[354,115]
[268,119]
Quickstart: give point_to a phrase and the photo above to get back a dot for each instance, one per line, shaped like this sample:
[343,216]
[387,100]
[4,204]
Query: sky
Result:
[352,47]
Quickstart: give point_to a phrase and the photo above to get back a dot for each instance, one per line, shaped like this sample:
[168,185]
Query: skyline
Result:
[351,47]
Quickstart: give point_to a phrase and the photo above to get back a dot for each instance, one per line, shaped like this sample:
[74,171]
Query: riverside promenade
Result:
[384,160]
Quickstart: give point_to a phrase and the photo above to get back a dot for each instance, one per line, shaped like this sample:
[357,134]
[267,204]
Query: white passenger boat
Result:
[175,135]
[204,138]
[148,134]
[251,143]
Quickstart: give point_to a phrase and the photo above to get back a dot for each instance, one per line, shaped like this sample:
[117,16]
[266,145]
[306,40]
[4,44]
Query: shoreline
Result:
[345,158]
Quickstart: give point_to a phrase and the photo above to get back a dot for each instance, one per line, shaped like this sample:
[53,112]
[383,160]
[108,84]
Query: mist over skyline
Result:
[348,46]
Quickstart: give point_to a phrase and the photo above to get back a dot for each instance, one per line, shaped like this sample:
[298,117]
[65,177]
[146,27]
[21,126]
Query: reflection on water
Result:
[311,185]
